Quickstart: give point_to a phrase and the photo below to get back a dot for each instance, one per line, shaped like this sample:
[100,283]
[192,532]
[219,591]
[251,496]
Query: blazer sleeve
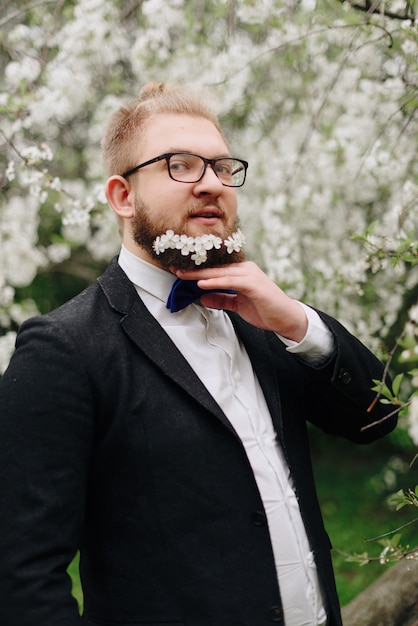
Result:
[45,441]
[340,393]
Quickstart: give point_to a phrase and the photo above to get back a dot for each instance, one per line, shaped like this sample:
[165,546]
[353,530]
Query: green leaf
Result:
[398,499]
[397,381]
[361,559]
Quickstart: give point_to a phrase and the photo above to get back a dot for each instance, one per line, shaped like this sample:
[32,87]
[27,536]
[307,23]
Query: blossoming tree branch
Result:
[321,99]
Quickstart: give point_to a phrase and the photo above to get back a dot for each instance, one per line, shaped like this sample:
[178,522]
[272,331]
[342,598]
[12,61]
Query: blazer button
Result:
[276,614]
[259,518]
[344,376]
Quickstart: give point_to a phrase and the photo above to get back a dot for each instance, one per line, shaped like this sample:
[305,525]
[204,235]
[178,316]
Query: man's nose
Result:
[209,183]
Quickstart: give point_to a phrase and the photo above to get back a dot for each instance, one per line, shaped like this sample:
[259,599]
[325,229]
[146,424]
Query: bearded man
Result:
[157,421]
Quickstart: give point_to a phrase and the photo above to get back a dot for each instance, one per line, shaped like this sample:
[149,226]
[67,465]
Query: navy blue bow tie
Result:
[184,292]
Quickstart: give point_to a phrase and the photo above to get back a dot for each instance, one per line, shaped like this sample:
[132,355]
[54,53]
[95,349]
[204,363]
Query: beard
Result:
[145,230]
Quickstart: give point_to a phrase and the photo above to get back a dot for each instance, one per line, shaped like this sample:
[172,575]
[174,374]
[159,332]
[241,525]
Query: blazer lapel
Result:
[152,340]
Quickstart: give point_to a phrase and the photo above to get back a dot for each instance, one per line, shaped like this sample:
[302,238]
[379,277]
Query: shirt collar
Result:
[146,276]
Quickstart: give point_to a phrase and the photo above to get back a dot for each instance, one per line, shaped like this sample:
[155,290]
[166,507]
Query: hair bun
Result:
[152,90]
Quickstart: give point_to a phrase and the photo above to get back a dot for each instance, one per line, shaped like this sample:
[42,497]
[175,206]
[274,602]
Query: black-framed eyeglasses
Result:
[185,167]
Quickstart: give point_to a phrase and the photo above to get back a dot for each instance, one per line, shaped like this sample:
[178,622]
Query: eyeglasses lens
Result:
[188,168]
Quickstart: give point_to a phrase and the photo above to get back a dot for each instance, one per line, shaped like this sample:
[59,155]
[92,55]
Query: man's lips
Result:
[207,214]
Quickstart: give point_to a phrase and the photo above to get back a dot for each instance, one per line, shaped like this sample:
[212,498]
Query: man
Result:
[170,448]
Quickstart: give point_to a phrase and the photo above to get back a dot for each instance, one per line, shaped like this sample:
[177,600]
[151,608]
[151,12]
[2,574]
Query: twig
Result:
[391,532]
[385,374]
[413,460]
[386,417]
[380,11]
[408,555]
[34,165]
[27,7]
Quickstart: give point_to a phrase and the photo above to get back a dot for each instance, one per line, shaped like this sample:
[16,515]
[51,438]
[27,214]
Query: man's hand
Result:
[258,300]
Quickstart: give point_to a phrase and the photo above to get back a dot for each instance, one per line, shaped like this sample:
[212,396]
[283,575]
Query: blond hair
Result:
[126,126]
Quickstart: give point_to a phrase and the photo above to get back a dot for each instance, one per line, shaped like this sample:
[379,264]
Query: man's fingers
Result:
[219,301]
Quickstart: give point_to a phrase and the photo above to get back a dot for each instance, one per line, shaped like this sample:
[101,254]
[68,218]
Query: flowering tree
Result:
[320,99]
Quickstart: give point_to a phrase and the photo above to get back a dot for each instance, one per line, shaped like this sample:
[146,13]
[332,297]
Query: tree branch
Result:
[27,7]
[378,9]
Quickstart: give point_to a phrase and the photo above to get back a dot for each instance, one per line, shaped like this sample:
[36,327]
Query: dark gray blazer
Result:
[111,445]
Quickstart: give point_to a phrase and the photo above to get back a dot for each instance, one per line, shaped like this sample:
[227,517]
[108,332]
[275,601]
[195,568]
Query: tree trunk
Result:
[392,600]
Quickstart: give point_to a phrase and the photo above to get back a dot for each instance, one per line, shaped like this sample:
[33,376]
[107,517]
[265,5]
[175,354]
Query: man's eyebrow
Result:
[225,155]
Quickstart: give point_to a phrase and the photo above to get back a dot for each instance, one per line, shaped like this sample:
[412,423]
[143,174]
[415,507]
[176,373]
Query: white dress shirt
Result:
[207,340]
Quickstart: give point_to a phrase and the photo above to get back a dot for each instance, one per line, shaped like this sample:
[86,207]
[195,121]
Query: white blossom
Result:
[185,244]
[200,256]
[413,419]
[235,242]
[28,69]
[10,171]
[58,252]
[324,117]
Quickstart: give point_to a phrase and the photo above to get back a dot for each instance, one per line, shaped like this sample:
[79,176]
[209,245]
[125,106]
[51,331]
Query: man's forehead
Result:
[169,132]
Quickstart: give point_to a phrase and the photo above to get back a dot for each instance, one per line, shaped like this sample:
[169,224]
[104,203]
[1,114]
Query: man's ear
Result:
[120,197]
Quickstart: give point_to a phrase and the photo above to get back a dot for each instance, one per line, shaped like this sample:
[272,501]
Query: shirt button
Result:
[344,376]
[276,614]
[259,518]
